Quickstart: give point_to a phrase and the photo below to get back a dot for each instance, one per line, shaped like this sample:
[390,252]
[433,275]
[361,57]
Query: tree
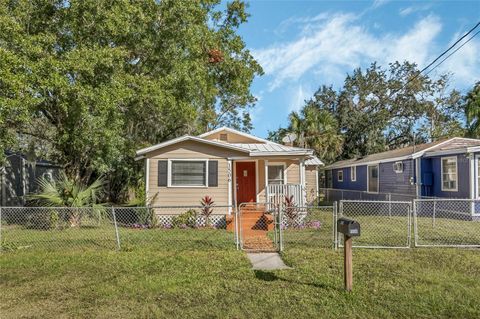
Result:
[91,81]
[379,109]
[472,111]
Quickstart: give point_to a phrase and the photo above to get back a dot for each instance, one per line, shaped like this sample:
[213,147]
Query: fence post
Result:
[389,204]
[415,230]
[280,231]
[334,225]
[433,216]
[117,235]
[1,246]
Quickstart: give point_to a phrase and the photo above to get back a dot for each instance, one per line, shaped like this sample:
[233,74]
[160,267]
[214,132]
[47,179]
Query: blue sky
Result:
[304,44]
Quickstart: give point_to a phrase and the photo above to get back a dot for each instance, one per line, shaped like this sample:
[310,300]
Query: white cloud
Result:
[409,10]
[340,42]
[298,97]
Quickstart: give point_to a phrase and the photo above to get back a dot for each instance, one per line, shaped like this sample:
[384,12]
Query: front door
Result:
[245,175]
[373,178]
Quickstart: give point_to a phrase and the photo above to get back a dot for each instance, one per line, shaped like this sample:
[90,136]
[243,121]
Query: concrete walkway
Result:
[266,261]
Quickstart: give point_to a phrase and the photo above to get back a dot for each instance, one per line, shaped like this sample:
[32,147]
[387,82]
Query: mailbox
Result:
[348,227]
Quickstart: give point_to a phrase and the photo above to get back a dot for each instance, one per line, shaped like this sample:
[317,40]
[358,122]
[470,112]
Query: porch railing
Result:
[276,194]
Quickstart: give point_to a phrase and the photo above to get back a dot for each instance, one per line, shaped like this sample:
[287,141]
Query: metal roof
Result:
[313,161]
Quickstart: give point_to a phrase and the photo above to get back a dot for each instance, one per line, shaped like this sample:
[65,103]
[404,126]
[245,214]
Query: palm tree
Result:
[66,192]
[472,111]
[317,129]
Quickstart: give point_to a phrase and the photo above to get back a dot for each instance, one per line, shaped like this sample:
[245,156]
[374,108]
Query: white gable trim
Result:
[184,138]
[231,130]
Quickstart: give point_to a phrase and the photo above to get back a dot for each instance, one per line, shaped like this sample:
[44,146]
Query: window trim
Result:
[398,171]
[353,169]
[456,174]
[338,175]
[169,172]
[284,171]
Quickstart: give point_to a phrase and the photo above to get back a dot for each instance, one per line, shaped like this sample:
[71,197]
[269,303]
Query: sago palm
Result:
[66,192]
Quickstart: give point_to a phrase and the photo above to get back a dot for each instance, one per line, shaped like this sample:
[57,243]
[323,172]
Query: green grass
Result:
[162,273]
[219,283]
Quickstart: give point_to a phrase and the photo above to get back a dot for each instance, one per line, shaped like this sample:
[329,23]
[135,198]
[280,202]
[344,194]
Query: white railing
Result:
[277,193]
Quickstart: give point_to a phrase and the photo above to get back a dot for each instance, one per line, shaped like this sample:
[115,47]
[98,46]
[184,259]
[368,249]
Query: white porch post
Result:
[302,181]
[147,177]
[229,172]
[266,181]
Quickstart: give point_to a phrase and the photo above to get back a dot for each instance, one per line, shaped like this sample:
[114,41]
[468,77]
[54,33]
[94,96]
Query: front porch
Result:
[268,181]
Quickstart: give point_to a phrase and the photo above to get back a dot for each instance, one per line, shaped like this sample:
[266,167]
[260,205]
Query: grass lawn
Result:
[218,283]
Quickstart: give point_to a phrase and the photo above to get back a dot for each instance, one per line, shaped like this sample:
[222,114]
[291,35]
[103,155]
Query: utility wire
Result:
[473,36]
[437,58]
[452,46]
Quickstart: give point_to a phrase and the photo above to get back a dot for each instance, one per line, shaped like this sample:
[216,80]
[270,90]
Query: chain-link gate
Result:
[383,224]
[258,228]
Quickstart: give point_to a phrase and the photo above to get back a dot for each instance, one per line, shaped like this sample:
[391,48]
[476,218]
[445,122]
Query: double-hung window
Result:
[188,173]
[353,173]
[449,174]
[276,174]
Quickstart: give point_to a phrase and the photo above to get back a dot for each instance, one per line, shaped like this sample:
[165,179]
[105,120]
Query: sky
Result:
[302,45]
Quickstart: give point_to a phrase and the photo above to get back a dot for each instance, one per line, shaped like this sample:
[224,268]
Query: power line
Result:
[452,46]
[473,36]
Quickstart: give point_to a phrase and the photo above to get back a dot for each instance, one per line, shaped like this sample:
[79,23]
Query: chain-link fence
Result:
[51,228]
[308,227]
[329,195]
[383,224]
[447,222]
[174,227]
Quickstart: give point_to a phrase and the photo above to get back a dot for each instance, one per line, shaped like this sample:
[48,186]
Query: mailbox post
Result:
[349,228]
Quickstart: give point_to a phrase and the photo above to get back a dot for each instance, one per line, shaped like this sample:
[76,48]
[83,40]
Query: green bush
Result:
[42,220]
[185,220]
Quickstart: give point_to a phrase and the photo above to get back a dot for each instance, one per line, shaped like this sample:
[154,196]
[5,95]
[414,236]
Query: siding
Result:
[167,196]
[433,165]
[399,183]
[293,172]
[311,182]
[232,138]
[359,185]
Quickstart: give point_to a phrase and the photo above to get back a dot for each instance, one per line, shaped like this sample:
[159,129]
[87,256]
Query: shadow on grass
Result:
[270,276]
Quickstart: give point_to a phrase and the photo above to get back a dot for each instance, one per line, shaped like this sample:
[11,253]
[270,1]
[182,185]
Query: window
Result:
[398,167]
[188,173]
[340,175]
[276,174]
[353,173]
[224,137]
[449,174]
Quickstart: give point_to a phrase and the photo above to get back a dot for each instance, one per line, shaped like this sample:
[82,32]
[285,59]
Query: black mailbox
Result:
[348,227]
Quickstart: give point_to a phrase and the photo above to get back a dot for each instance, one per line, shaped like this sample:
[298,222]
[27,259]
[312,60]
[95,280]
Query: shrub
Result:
[186,220]
[206,210]
[42,220]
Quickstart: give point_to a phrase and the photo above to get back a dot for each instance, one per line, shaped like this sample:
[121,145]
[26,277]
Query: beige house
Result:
[230,166]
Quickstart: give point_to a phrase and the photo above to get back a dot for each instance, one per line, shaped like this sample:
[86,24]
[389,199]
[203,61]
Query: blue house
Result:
[444,169]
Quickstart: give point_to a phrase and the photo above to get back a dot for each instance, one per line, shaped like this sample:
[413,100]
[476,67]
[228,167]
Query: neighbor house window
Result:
[188,173]
[398,167]
[353,173]
[276,174]
[449,174]
[340,176]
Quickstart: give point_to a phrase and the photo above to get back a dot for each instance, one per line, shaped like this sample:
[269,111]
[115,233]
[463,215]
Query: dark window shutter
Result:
[162,173]
[212,173]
